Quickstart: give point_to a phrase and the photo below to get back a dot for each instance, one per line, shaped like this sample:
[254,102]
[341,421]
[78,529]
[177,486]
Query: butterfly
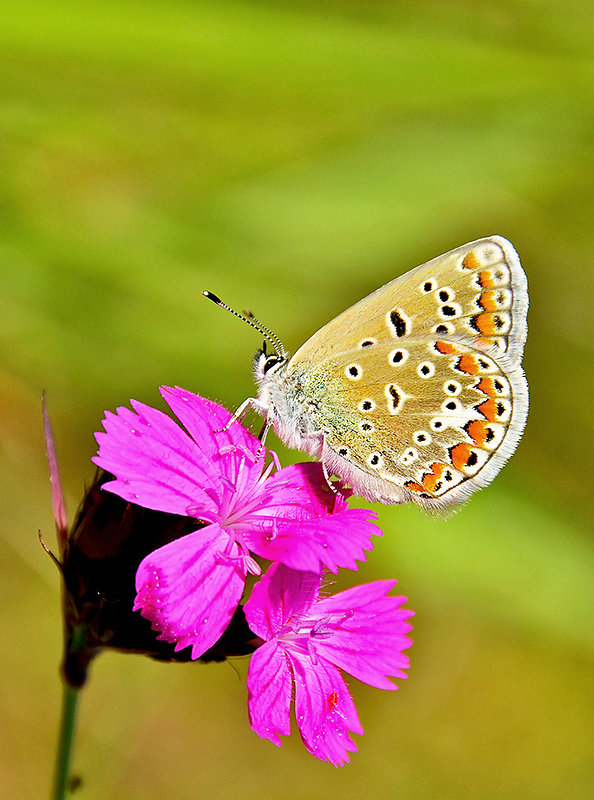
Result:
[415,393]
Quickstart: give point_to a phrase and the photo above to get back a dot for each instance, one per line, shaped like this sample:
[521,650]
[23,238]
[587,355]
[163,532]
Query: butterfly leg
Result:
[239,413]
[328,481]
[262,436]
[322,439]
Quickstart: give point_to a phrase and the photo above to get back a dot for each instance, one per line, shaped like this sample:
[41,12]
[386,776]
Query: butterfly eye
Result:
[263,362]
[270,362]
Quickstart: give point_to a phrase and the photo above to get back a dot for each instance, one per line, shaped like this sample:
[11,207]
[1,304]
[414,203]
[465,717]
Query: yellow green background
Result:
[293,156]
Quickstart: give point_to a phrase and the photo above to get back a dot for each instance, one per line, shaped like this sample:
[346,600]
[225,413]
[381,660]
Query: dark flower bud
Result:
[108,540]
[99,559]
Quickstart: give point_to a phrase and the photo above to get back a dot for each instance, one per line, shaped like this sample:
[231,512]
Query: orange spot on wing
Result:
[468,364]
[488,409]
[414,486]
[431,479]
[488,301]
[487,386]
[460,455]
[478,431]
[470,261]
[485,323]
[486,279]
[446,348]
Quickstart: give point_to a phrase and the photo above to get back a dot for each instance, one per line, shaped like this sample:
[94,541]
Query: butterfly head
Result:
[268,367]
[267,364]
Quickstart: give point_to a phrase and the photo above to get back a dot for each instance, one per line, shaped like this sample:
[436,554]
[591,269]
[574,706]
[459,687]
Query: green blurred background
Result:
[293,156]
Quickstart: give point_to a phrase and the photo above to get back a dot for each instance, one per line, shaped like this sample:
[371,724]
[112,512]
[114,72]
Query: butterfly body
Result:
[416,392]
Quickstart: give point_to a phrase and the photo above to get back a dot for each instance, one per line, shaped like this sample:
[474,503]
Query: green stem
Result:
[67,728]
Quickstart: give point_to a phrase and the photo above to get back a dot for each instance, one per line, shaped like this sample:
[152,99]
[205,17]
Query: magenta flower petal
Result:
[205,421]
[307,526]
[190,588]
[324,709]
[360,630]
[219,476]
[156,464]
[269,686]
[280,596]
[368,633]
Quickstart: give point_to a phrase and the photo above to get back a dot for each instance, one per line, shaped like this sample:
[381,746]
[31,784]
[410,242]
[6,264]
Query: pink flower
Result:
[307,638]
[190,587]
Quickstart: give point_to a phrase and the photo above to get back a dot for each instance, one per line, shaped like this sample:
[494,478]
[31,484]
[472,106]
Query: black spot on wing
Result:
[398,323]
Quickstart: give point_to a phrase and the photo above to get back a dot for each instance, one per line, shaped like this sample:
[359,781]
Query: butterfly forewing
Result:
[477,291]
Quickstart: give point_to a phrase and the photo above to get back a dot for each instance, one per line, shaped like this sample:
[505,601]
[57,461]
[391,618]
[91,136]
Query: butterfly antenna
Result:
[251,320]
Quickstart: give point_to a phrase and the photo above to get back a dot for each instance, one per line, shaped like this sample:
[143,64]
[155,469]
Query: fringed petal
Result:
[190,588]
[269,684]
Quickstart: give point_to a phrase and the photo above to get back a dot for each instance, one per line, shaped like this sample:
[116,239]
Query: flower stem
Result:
[67,728]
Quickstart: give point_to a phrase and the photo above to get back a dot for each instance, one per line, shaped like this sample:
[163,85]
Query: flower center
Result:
[242,492]
[236,552]
[305,633]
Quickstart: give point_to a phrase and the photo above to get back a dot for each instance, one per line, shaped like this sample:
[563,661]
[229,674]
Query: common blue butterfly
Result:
[417,391]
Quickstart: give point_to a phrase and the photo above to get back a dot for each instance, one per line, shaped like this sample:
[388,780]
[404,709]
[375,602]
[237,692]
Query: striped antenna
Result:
[253,322]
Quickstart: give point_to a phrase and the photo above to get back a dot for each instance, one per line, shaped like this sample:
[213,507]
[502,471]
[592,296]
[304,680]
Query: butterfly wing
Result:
[478,290]
[418,388]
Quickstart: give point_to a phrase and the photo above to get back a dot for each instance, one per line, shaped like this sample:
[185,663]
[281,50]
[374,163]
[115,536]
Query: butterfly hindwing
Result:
[435,417]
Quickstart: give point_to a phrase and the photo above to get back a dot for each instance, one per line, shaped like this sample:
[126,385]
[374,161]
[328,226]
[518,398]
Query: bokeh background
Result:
[293,156]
